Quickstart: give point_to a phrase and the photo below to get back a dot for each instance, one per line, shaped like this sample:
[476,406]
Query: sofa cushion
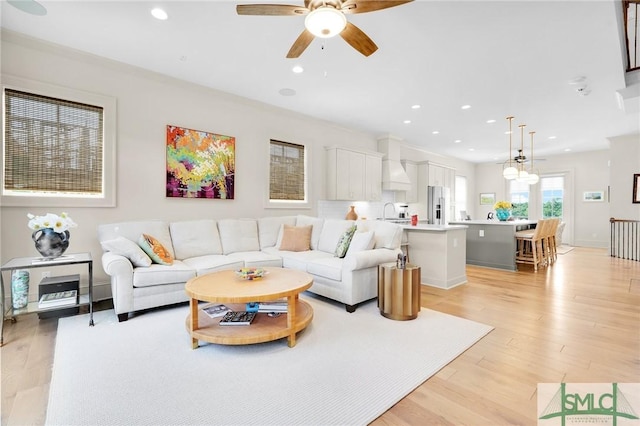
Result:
[162,274]
[332,231]
[195,238]
[296,238]
[132,230]
[330,267]
[344,241]
[156,251]
[316,223]
[256,259]
[127,248]
[270,227]
[299,259]
[387,235]
[238,235]
[211,263]
[361,241]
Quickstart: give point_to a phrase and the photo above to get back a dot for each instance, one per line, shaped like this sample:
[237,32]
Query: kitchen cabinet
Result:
[353,174]
[411,169]
[373,178]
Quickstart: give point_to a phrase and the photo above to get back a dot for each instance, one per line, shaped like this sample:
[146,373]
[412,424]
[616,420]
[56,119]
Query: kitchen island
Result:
[492,243]
[439,250]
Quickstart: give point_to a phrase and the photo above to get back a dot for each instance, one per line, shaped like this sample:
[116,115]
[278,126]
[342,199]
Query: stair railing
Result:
[625,239]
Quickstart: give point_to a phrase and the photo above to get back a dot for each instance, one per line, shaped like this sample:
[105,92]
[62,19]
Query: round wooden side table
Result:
[399,291]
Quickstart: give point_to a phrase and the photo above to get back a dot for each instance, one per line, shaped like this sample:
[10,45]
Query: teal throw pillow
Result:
[344,241]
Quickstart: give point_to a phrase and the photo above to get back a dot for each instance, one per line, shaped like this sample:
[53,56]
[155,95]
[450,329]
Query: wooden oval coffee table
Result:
[226,287]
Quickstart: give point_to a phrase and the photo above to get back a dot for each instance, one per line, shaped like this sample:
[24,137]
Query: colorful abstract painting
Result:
[199,164]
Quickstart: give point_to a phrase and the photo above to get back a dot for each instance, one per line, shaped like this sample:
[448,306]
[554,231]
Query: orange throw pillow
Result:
[156,251]
[296,238]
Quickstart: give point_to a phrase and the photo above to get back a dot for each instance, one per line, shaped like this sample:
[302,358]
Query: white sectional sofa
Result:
[204,246]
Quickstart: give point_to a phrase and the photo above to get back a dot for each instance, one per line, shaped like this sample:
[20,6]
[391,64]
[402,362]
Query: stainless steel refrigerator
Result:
[438,199]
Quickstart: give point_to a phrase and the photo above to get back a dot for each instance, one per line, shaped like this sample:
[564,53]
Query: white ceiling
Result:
[502,58]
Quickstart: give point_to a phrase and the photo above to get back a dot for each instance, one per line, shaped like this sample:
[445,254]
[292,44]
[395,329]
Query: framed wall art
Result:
[636,188]
[593,196]
[199,164]
[487,198]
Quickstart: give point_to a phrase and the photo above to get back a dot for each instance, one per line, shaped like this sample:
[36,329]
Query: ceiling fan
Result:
[325,18]
[522,159]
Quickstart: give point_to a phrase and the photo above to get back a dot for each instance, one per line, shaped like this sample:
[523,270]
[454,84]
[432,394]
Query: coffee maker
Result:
[404,211]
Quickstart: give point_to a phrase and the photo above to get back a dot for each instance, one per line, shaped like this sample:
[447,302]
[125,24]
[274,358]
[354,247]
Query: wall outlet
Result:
[46,274]
[481,233]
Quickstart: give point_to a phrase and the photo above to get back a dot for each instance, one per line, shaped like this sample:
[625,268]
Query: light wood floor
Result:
[576,321]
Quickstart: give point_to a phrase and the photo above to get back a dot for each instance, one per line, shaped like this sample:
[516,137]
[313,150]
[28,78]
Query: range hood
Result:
[394,178]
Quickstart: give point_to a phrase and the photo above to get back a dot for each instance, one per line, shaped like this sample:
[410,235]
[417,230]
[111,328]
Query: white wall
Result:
[625,162]
[146,103]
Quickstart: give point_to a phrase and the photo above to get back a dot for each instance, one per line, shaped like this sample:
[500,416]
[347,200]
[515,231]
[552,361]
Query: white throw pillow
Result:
[127,248]
[361,241]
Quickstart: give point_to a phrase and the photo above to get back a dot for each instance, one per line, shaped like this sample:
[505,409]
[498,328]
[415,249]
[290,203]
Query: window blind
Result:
[287,177]
[52,146]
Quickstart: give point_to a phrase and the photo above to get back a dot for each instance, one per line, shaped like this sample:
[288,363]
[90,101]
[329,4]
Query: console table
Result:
[39,262]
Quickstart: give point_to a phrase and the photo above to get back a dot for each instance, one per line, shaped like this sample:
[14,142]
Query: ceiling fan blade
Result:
[271,9]
[301,43]
[358,39]
[363,6]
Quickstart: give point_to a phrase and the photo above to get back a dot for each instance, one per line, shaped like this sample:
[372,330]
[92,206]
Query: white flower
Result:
[53,221]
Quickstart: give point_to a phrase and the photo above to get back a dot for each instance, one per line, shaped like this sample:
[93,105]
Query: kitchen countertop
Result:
[495,222]
[433,228]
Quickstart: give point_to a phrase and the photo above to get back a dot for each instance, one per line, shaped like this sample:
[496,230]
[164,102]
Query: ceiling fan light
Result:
[510,173]
[325,22]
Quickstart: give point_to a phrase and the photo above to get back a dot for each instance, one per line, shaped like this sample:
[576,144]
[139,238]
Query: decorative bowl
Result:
[251,273]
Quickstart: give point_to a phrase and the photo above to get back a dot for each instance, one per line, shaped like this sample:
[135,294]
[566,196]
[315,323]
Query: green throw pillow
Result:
[345,240]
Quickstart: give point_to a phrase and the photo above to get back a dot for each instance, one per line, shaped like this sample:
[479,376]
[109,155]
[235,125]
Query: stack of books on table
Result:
[237,318]
[279,307]
[60,298]
[215,310]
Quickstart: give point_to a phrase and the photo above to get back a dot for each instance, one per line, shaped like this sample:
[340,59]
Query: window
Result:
[552,191]
[519,197]
[287,176]
[57,150]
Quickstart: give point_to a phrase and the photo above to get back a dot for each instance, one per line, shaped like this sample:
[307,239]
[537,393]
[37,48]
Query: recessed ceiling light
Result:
[457,141]
[407,121]
[491,121]
[297,69]
[567,149]
[287,92]
[159,14]
[435,132]
[466,106]
[471,149]
[416,106]
[552,137]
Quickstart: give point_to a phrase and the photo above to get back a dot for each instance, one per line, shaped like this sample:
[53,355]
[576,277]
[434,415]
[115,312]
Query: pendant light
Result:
[533,176]
[510,172]
[523,175]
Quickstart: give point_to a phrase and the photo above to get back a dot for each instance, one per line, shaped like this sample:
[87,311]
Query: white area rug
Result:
[564,249]
[346,369]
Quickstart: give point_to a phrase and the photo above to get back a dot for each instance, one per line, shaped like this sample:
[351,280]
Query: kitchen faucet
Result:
[384,209]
